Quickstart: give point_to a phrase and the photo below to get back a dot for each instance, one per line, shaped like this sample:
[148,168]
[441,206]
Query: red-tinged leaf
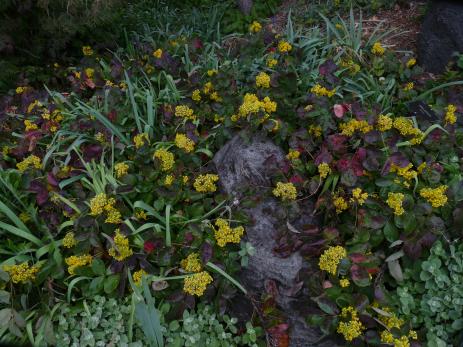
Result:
[339,110]
[112,115]
[206,252]
[271,288]
[358,258]
[360,275]
[89,83]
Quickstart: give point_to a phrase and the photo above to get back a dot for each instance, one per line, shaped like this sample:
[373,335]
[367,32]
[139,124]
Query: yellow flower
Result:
[113,216]
[21,273]
[263,80]
[353,328]
[285,191]
[411,62]
[344,283]
[87,50]
[250,105]
[89,72]
[196,284]
[436,197]
[387,337]
[359,196]
[206,183]
[99,136]
[191,263]
[421,167]
[24,216]
[165,157]
[384,123]
[450,117]
[141,215]
[351,65]
[395,200]
[354,125]
[377,49]
[340,203]
[196,95]
[215,96]
[123,85]
[30,161]
[272,62]
[121,249]
[315,130]
[212,72]
[413,335]
[404,172]
[138,276]
[255,27]
[5,150]
[169,180]
[20,90]
[158,53]
[392,321]
[139,140]
[409,86]
[208,88]
[121,169]
[225,234]
[284,46]
[184,112]
[69,240]
[269,105]
[406,128]
[97,204]
[75,261]
[293,154]
[324,170]
[322,91]
[330,259]
[30,125]
[183,142]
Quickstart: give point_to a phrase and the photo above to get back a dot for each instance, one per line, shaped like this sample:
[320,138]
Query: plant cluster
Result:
[109,187]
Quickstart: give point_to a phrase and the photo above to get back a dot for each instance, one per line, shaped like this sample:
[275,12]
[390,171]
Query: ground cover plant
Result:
[109,196]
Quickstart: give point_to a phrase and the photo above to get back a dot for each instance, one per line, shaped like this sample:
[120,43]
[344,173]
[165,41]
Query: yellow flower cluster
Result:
[196,95]
[411,62]
[196,284]
[344,283]
[285,191]
[87,50]
[324,170]
[395,200]
[141,215]
[351,65]
[169,180]
[340,203]
[272,62]
[191,263]
[158,53]
[354,125]
[436,197]
[284,46]
[251,105]
[406,172]
[212,72]
[100,203]
[21,273]
[293,154]
[30,125]
[139,140]
[377,49]
[450,117]
[315,130]
[225,234]
[90,72]
[409,86]
[353,328]
[403,341]
[20,90]
[122,249]
[406,128]
[392,321]
[262,80]
[208,88]
[384,123]
[121,169]
[358,196]
[322,91]
[75,261]
[165,157]
[30,161]
[330,259]
[184,112]
[100,137]
[185,143]
[138,276]
[255,27]
[69,240]
[206,183]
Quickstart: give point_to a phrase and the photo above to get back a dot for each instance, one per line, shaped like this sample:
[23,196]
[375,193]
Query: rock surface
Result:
[441,35]
[245,163]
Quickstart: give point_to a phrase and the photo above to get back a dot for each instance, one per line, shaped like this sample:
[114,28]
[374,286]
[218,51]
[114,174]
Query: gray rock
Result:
[441,35]
[243,163]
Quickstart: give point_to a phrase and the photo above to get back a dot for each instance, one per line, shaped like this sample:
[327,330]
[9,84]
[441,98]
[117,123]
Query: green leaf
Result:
[327,306]
[111,283]
[98,267]
[4,297]
[390,232]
